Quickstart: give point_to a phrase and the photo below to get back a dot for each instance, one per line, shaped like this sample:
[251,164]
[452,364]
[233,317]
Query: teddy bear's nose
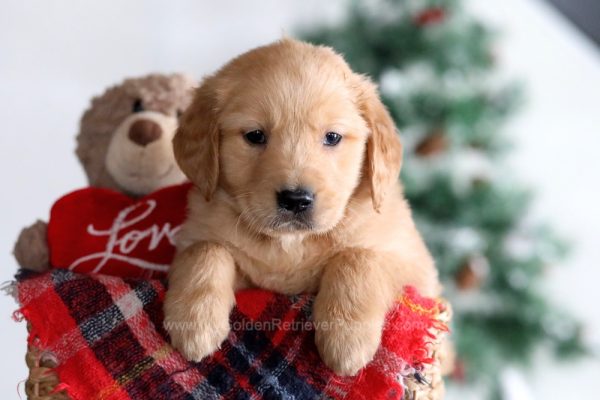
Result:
[144,132]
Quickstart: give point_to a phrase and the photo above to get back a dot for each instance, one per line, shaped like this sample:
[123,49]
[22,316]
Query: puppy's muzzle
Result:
[297,200]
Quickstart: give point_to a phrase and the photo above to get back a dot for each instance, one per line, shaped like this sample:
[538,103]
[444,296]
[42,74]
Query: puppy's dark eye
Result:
[256,137]
[138,106]
[179,113]
[332,139]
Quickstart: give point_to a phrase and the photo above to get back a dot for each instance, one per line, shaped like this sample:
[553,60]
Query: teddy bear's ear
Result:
[196,142]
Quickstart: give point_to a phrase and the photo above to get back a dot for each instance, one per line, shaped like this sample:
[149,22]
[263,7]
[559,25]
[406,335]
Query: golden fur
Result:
[362,246]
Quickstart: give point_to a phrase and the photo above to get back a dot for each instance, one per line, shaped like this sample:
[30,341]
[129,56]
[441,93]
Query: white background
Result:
[54,56]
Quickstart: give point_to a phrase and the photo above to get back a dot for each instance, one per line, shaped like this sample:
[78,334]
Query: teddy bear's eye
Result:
[138,106]
[179,113]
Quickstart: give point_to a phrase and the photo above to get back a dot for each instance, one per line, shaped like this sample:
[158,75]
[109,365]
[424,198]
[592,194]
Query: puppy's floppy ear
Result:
[384,150]
[196,142]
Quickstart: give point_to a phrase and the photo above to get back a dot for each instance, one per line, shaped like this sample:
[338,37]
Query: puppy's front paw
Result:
[347,346]
[197,330]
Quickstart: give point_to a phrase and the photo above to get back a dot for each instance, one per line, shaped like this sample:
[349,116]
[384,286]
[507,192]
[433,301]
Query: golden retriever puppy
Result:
[295,162]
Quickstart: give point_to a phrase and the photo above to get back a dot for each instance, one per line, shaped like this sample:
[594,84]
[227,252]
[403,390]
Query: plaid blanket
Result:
[106,335]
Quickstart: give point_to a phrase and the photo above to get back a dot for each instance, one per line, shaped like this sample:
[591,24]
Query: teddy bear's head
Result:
[124,142]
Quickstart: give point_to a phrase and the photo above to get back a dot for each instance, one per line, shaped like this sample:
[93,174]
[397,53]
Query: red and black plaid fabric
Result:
[107,336]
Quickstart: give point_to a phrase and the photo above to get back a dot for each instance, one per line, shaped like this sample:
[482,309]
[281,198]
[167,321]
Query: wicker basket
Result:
[42,380]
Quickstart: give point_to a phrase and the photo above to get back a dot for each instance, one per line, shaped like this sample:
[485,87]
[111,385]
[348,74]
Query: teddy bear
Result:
[124,144]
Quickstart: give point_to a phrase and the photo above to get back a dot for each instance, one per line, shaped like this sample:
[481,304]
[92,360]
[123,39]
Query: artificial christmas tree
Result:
[436,69]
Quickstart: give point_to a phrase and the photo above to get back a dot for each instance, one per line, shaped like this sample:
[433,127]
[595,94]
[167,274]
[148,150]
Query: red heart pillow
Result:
[103,231]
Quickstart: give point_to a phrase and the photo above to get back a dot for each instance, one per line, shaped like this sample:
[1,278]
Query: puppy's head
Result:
[289,132]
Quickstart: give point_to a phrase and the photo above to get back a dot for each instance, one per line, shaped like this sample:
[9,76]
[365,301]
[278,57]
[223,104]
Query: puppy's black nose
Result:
[296,200]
